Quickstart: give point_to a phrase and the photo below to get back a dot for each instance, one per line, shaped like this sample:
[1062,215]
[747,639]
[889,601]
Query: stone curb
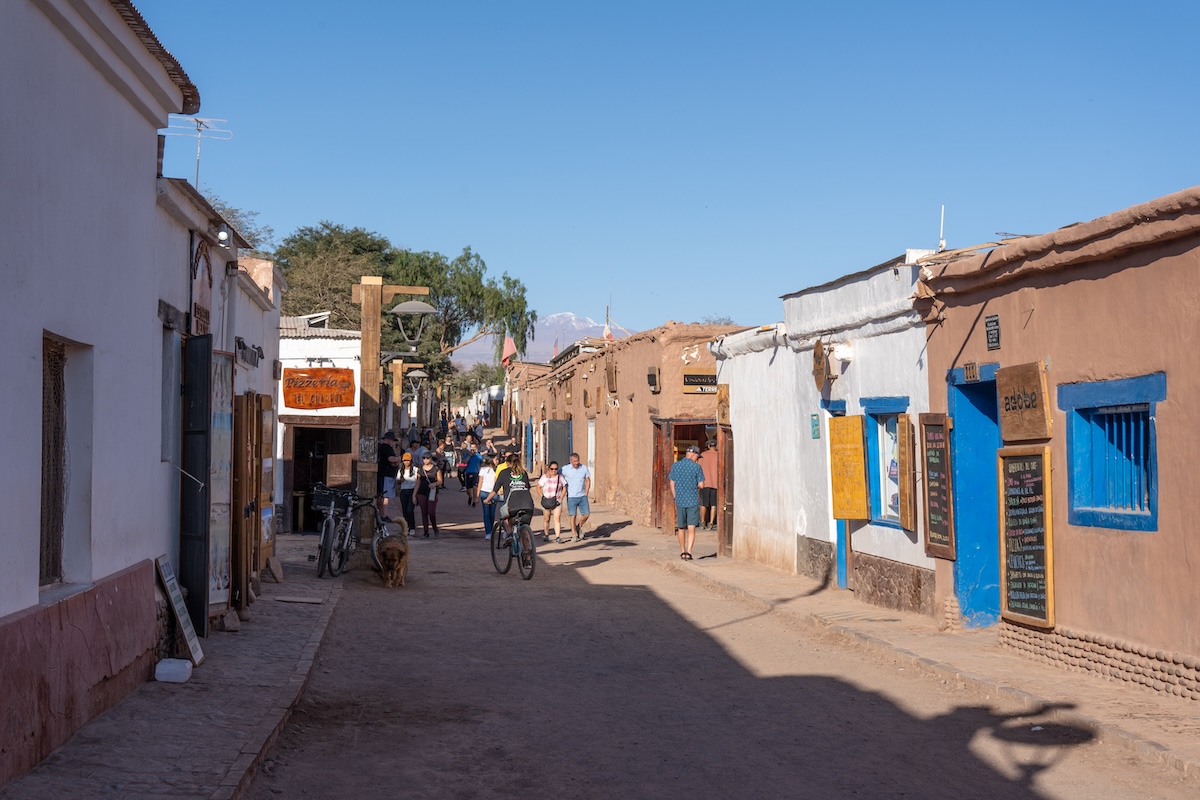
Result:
[263,735]
[1147,750]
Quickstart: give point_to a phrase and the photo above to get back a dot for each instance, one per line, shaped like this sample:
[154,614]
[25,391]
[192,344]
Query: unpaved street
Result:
[608,676]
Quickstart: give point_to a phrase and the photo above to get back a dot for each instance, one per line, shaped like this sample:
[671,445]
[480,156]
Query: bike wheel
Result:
[340,553]
[382,532]
[502,554]
[324,546]
[527,560]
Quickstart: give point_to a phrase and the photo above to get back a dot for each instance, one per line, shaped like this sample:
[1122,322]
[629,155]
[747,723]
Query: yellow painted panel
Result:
[848,468]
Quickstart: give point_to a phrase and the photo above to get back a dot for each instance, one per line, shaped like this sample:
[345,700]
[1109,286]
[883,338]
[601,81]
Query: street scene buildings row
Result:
[990,436]
[141,366]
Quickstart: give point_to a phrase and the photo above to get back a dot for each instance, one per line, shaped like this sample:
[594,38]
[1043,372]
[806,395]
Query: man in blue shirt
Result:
[687,479]
[579,486]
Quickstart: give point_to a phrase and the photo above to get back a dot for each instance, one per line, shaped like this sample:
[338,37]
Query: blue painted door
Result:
[973,442]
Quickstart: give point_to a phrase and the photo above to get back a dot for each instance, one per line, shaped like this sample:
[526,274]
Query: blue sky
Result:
[686,158]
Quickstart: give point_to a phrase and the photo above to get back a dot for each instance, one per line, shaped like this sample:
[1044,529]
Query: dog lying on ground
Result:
[393,557]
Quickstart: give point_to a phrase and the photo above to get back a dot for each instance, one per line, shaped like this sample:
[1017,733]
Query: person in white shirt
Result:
[487,480]
[407,479]
[579,486]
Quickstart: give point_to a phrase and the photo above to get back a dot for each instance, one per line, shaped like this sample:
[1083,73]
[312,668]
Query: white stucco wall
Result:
[782,484]
[81,261]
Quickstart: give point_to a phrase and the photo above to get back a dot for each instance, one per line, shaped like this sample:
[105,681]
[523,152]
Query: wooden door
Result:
[265,471]
[245,527]
[725,498]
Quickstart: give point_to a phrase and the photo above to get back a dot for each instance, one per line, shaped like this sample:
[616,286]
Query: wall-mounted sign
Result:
[822,373]
[939,509]
[1024,412]
[992,326]
[1026,541]
[848,468]
[318,388]
[700,381]
[814,421]
[722,404]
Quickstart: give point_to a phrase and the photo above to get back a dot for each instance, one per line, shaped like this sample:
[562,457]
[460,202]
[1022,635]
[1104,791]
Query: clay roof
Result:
[141,29]
[1149,224]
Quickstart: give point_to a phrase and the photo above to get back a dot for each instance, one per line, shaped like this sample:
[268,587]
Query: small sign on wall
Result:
[992,326]
[700,381]
[815,421]
[318,388]
[1024,410]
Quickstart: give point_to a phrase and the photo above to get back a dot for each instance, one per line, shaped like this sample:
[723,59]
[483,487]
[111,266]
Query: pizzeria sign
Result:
[318,388]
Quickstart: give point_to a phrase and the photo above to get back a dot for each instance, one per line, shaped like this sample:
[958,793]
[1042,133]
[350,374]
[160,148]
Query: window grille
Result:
[54,460]
[1120,458]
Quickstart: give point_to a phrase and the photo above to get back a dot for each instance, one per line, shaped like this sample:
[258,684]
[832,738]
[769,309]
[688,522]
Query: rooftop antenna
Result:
[942,231]
[200,127]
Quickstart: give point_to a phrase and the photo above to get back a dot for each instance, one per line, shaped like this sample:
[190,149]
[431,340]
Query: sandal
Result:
[686,556]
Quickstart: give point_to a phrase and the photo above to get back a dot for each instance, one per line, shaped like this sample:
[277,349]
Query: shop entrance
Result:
[973,443]
[672,437]
[319,455]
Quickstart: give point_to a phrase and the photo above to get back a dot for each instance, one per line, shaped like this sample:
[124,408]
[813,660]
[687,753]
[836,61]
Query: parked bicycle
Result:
[338,537]
[518,545]
[335,527]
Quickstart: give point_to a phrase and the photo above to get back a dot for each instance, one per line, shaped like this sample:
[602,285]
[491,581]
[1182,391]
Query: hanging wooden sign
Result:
[1026,540]
[319,388]
[939,509]
[1024,410]
[848,468]
[821,372]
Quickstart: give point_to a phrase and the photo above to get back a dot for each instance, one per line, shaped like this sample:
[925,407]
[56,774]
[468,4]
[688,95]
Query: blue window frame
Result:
[883,467]
[1112,453]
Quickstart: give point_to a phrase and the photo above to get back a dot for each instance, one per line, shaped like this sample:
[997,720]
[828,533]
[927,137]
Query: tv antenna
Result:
[200,127]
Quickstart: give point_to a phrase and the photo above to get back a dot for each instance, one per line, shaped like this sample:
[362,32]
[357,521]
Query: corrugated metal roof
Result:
[141,29]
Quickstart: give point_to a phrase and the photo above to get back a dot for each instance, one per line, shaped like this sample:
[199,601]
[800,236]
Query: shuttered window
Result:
[1111,444]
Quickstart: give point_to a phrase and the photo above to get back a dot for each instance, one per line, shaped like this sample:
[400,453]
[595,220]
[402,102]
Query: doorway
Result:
[974,440]
[725,501]
[319,455]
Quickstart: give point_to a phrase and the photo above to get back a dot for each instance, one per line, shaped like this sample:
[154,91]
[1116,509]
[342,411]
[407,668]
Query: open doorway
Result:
[319,455]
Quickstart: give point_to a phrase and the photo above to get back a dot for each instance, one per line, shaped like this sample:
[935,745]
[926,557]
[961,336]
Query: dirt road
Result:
[607,676]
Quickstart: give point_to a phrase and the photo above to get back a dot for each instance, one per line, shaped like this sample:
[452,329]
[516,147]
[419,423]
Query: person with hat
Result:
[389,463]
[408,483]
[687,479]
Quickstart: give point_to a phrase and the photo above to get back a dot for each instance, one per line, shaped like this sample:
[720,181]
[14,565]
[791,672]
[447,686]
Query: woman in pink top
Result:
[554,490]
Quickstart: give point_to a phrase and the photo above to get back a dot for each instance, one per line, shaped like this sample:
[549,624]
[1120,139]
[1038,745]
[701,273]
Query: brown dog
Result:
[393,557]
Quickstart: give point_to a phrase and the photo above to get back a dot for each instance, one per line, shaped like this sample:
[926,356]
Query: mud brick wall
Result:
[1161,671]
[882,582]
[814,558]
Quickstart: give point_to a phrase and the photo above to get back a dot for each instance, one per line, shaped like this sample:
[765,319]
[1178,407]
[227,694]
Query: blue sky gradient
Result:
[686,158]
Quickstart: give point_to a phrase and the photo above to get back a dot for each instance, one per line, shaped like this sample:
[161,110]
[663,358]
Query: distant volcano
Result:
[567,327]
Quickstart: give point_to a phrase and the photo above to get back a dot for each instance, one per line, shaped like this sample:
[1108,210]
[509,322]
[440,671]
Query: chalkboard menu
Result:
[1027,557]
[935,460]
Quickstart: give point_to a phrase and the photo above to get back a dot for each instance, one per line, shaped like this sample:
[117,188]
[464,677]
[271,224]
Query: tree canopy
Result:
[323,262]
[260,236]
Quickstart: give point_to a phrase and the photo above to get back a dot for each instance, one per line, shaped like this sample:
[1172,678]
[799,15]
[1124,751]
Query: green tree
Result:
[466,382]
[329,237]
[469,305]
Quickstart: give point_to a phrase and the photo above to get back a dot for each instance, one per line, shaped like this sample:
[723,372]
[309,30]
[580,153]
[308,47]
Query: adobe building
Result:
[630,408]
[1062,364]
[824,409]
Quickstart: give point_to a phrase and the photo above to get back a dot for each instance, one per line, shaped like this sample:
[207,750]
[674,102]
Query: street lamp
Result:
[418,309]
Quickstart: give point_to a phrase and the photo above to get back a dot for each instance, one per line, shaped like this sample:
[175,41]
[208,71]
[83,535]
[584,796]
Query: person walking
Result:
[407,480]
[579,486]
[687,478]
[487,481]
[708,495]
[553,488]
[472,467]
[429,485]
[389,462]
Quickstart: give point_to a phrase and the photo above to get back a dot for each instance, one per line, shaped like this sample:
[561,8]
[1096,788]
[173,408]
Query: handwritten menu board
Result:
[939,509]
[1027,557]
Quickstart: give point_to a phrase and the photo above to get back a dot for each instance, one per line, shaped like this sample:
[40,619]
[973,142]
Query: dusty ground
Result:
[607,676]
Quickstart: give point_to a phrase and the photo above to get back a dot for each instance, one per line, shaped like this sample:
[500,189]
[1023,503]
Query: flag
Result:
[555,346]
[608,334]
[510,350]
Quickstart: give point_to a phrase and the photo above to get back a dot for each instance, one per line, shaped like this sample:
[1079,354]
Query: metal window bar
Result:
[1122,452]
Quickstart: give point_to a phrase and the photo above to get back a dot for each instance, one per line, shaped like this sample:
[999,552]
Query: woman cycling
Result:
[513,486]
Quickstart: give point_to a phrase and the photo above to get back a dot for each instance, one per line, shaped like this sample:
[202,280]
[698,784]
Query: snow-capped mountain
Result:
[564,326]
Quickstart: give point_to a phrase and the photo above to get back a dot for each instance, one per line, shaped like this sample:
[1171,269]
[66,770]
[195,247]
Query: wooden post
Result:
[371,294]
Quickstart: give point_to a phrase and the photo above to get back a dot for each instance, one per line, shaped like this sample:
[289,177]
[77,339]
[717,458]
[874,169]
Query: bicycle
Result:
[381,532]
[519,545]
[335,503]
